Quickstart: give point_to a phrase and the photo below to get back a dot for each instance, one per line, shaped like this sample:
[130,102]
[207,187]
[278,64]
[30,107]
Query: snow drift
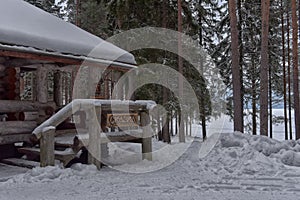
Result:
[239,153]
[227,155]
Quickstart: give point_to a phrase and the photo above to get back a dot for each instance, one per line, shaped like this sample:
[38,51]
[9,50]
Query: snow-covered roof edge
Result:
[34,28]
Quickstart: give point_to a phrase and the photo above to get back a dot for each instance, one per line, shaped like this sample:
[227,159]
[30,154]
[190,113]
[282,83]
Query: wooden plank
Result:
[67,140]
[21,162]
[16,127]
[122,108]
[10,139]
[28,116]
[40,56]
[7,106]
[47,147]
[64,157]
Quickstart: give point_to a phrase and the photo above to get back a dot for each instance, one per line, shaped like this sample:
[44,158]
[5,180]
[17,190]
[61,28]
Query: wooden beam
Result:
[7,106]
[10,139]
[40,56]
[60,59]
[16,127]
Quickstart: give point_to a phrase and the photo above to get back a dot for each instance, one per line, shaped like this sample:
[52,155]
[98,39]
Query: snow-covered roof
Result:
[23,26]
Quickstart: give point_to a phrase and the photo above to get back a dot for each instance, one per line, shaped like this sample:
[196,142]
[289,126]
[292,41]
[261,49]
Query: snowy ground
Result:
[227,166]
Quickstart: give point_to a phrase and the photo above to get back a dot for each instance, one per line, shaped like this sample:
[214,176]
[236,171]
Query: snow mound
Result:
[238,153]
[53,173]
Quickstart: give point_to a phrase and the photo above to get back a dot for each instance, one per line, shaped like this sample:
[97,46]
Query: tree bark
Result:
[270,102]
[202,109]
[166,119]
[284,74]
[241,46]
[265,6]
[253,89]
[289,74]
[295,68]
[236,76]
[180,69]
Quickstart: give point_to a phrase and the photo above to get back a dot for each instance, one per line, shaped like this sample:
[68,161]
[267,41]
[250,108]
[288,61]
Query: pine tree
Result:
[265,7]
[238,107]
[295,68]
[284,71]
[48,6]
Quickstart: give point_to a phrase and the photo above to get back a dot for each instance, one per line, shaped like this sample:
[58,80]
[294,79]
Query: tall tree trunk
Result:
[298,19]
[159,133]
[284,74]
[202,109]
[253,87]
[270,102]
[165,130]
[295,68]
[289,74]
[254,110]
[241,47]
[236,79]
[180,69]
[171,124]
[191,123]
[176,122]
[265,6]
[78,9]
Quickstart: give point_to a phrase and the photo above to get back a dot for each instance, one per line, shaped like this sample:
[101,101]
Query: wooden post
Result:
[57,88]
[42,90]
[42,84]
[147,137]
[47,147]
[94,146]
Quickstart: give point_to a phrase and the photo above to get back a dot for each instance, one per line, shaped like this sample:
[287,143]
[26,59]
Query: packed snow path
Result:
[243,167]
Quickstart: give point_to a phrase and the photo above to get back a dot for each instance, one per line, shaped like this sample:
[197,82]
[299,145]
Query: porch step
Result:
[64,156]
[21,162]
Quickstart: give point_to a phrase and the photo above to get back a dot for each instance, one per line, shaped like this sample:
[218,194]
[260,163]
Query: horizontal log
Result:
[10,139]
[28,116]
[16,127]
[7,106]
[39,56]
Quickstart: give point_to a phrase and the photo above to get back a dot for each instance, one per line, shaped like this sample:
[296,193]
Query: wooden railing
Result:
[94,109]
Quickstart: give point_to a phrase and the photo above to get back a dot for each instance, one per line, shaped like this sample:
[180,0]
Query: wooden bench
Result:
[119,126]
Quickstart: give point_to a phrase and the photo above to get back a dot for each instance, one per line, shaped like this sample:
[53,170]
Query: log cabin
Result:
[40,57]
